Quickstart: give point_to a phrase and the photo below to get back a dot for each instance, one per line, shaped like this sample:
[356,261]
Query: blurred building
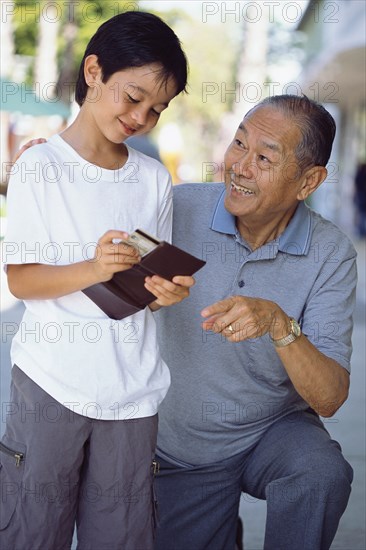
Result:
[28,111]
[334,74]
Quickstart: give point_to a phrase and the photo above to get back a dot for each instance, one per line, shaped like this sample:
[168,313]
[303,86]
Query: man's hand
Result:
[27,146]
[113,254]
[320,380]
[168,292]
[240,318]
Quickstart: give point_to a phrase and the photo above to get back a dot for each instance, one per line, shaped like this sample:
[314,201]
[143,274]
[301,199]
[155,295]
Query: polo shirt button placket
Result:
[241,283]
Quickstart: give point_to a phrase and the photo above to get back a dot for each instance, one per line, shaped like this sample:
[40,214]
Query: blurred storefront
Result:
[24,114]
[334,74]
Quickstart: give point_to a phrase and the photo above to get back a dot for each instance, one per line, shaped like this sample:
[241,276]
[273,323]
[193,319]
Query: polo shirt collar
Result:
[296,237]
[294,240]
[223,221]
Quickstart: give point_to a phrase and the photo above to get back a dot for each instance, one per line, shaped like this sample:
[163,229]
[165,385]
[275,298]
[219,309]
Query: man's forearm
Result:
[320,381]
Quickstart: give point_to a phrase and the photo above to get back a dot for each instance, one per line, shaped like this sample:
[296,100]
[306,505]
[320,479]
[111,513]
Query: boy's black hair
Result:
[135,39]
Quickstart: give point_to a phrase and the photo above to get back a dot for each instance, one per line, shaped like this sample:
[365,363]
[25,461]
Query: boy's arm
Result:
[39,281]
[36,281]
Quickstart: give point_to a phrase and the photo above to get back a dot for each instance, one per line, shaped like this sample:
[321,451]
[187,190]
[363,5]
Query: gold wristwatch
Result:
[295,333]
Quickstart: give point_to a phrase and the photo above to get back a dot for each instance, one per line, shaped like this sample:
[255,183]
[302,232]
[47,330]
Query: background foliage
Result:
[212,54]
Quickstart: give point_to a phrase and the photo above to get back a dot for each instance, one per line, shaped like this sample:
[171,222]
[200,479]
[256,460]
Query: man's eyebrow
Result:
[272,146]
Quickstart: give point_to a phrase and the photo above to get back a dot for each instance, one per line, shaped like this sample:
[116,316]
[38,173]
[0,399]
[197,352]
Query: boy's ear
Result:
[311,180]
[92,70]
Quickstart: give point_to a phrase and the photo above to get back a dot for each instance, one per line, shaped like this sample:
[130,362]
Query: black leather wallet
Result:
[126,294]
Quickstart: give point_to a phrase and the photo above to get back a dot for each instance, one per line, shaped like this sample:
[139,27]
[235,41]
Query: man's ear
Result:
[311,180]
[92,70]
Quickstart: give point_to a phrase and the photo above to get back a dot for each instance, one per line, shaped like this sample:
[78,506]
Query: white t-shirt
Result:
[59,205]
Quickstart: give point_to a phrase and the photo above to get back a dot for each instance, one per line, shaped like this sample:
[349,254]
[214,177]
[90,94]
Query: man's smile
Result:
[240,188]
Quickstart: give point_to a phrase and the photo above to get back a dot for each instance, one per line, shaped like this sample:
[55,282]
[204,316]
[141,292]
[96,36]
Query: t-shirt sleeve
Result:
[328,316]
[27,239]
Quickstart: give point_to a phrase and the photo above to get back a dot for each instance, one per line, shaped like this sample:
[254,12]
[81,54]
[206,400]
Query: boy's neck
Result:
[92,146]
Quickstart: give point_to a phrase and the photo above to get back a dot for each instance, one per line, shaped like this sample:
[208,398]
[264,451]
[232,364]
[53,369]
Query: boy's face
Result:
[129,103]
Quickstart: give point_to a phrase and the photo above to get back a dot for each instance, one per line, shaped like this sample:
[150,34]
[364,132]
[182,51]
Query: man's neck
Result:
[258,233]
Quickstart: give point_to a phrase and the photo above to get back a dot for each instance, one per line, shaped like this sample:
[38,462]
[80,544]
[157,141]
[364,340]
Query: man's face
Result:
[129,103]
[261,172]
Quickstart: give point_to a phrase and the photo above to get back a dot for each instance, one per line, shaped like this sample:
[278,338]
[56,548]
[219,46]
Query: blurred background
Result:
[239,53]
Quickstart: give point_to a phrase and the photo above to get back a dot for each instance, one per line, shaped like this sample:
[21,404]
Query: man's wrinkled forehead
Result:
[265,143]
[279,132]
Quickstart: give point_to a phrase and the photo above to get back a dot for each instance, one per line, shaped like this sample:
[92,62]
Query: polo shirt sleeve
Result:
[27,239]
[327,318]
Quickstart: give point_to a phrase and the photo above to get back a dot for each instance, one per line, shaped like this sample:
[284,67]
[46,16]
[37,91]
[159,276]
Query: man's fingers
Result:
[209,323]
[219,307]
[218,323]
[27,145]
[36,141]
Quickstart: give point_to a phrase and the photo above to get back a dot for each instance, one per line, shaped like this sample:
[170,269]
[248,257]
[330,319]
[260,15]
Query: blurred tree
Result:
[212,51]
[68,69]
[25,27]
[284,43]
[7,44]
[45,69]
[217,94]
[77,19]
[81,22]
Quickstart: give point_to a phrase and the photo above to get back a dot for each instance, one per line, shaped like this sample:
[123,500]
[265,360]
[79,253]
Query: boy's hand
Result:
[168,292]
[27,146]
[112,255]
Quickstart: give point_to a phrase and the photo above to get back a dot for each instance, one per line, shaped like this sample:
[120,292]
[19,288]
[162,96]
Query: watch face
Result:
[295,327]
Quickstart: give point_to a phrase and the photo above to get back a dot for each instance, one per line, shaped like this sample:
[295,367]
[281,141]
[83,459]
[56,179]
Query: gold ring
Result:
[231,329]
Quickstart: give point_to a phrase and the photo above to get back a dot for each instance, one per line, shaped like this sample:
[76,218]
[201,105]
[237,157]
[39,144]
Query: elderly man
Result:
[273,350]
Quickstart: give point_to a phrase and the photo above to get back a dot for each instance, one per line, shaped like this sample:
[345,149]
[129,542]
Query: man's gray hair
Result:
[315,123]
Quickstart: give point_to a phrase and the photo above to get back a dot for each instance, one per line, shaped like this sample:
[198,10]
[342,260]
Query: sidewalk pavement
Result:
[347,426]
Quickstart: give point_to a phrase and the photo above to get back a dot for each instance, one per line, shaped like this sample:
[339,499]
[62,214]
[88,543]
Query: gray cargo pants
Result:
[58,467]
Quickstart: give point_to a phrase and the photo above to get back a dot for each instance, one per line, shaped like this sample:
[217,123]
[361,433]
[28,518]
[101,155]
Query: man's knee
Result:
[333,478]
[323,476]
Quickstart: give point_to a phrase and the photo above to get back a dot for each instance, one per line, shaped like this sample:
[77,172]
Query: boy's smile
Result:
[129,103]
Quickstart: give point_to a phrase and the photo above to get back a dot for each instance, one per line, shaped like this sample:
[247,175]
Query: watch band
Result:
[295,333]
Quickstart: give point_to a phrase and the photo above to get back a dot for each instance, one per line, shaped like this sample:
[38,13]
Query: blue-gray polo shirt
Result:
[224,395]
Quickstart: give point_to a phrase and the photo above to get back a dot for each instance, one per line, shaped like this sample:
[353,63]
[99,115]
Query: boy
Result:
[81,432]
